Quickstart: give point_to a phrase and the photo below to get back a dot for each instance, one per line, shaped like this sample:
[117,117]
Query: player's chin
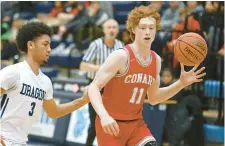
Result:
[146,42]
[45,62]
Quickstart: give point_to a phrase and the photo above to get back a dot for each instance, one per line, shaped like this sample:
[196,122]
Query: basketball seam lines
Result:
[184,55]
[193,36]
[192,47]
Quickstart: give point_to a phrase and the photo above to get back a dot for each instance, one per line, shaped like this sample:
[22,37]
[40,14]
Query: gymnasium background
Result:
[194,117]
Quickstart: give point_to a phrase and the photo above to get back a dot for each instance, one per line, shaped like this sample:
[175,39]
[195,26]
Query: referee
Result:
[95,56]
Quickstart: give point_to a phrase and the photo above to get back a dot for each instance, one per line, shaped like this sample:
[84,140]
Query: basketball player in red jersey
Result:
[126,76]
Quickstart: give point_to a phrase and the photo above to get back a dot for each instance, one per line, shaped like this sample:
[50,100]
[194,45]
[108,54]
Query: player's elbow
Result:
[95,86]
[152,101]
[52,115]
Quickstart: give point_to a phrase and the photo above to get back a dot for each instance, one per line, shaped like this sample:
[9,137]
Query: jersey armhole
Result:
[127,65]
[157,64]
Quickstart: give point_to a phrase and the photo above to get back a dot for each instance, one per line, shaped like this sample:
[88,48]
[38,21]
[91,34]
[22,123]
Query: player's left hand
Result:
[192,76]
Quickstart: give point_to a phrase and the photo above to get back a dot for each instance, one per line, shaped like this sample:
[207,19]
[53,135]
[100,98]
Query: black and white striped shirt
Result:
[98,52]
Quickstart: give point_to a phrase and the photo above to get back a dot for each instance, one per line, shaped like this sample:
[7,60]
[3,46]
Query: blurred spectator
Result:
[96,18]
[78,19]
[9,49]
[86,25]
[107,7]
[213,30]
[167,77]
[220,62]
[195,9]
[16,24]
[6,11]
[5,31]
[184,122]
[221,51]
[157,44]
[184,126]
[78,27]
[51,18]
[125,37]
[214,6]
[25,6]
[24,10]
[58,8]
[70,7]
[70,11]
[192,25]
[62,13]
[158,5]
[194,6]
[170,16]
[213,27]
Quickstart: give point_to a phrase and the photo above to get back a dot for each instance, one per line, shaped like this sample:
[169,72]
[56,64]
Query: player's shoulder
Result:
[120,53]
[119,56]
[158,58]
[14,67]
[46,78]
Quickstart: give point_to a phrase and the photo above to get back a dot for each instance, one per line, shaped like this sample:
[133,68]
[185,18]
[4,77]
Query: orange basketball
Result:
[190,49]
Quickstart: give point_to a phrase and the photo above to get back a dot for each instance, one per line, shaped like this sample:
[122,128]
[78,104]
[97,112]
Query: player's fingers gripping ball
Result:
[190,49]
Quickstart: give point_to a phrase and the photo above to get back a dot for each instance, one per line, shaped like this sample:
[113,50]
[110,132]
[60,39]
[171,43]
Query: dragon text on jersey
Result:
[139,78]
[33,92]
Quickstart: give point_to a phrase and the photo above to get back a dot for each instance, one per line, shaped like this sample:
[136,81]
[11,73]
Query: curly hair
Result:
[29,32]
[141,12]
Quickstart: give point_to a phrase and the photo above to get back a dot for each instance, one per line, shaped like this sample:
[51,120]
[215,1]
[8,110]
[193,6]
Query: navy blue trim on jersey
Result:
[4,99]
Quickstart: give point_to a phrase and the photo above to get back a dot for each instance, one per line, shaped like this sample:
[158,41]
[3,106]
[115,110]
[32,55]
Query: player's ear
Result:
[30,45]
[133,30]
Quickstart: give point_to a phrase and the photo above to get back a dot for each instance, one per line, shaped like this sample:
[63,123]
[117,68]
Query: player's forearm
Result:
[67,108]
[166,93]
[89,66]
[96,100]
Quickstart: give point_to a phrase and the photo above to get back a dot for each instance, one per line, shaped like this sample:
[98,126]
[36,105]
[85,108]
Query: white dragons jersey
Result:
[22,103]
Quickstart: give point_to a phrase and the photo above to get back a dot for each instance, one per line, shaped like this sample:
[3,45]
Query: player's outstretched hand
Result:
[110,126]
[192,76]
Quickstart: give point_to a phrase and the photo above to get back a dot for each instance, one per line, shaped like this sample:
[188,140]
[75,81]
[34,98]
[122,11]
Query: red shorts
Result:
[132,133]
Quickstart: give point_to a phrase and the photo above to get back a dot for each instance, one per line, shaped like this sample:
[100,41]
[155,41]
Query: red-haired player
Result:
[126,76]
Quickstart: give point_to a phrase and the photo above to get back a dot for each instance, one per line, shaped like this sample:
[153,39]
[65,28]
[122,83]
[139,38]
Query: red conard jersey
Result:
[124,94]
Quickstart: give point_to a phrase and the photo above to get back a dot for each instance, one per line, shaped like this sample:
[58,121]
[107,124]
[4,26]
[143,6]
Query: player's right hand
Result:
[110,126]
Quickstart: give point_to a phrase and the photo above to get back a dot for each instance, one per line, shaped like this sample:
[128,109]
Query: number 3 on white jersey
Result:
[133,98]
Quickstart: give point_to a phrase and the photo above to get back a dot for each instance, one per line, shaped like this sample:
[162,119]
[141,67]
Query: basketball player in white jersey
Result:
[25,89]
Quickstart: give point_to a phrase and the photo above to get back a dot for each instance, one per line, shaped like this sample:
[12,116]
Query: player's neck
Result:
[33,65]
[141,49]
[109,42]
